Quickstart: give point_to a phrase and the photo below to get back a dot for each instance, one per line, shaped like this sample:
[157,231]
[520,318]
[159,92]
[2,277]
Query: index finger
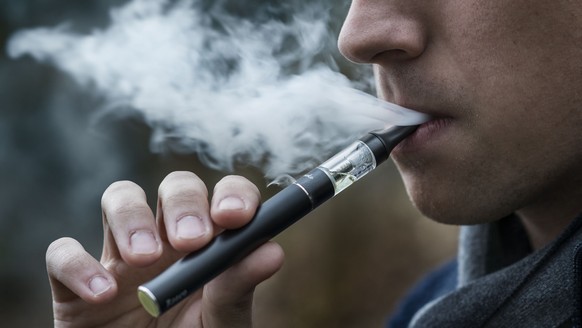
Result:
[130,228]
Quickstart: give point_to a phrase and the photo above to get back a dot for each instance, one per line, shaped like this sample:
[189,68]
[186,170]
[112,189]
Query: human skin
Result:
[503,82]
[138,245]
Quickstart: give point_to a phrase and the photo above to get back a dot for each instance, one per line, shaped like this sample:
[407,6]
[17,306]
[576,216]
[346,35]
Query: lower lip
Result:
[426,134]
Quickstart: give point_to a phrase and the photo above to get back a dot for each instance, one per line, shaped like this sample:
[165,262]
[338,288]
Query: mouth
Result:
[427,133]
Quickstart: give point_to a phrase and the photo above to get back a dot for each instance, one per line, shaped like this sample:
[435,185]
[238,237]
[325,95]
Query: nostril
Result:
[373,50]
[371,37]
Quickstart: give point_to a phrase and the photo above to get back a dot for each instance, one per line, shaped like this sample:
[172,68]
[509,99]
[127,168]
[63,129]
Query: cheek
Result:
[517,134]
[473,177]
[487,176]
[456,193]
[458,200]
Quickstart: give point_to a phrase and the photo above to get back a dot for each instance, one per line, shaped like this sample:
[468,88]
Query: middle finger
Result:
[184,211]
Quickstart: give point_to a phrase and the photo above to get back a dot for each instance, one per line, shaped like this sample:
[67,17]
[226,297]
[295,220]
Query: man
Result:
[502,155]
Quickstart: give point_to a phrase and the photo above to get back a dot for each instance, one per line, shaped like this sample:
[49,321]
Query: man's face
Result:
[503,81]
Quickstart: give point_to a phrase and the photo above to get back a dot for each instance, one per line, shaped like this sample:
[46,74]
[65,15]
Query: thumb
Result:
[74,273]
[228,299]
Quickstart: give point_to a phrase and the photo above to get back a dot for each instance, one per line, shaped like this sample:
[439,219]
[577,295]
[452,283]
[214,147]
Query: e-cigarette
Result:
[272,217]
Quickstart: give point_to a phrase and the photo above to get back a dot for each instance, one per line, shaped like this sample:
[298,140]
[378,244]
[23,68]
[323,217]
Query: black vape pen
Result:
[273,216]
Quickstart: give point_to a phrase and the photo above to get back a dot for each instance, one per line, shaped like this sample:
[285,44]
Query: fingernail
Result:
[191,227]
[231,204]
[99,285]
[143,242]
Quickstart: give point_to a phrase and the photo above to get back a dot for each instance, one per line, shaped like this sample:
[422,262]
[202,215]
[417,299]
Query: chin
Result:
[455,205]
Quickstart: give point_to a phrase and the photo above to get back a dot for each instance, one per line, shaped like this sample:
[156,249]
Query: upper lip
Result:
[421,108]
[426,102]
[433,113]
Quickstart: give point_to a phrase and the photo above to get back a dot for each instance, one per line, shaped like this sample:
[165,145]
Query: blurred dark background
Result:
[347,263]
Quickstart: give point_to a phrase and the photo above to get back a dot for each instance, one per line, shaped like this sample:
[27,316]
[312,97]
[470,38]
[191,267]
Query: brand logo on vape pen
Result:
[172,301]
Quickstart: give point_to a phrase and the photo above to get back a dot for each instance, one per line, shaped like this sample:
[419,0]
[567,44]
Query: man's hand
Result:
[138,246]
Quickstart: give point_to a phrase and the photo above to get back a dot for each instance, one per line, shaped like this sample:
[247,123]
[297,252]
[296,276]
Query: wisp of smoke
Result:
[229,89]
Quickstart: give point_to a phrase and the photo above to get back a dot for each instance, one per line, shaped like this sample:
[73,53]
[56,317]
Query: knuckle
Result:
[233,178]
[61,252]
[124,198]
[126,208]
[182,183]
[59,246]
[236,184]
[120,189]
[179,175]
[183,197]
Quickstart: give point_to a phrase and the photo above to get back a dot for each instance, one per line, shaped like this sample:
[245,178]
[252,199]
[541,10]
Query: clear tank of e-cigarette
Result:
[349,165]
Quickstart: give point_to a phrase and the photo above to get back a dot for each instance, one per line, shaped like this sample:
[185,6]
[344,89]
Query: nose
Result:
[379,30]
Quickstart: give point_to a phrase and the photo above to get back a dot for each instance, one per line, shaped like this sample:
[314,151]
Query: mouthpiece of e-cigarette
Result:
[273,216]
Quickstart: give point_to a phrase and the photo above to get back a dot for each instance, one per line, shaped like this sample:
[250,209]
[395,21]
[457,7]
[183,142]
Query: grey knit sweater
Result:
[502,283]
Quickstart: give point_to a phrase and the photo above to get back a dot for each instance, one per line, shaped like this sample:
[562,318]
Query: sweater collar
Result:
[502,283]
[487,248]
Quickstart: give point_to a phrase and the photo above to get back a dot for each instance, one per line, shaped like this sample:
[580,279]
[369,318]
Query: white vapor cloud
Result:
[231,90]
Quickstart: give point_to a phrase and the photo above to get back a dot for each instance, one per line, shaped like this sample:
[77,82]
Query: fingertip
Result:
[100,288]
[183,211]
[232,212]
[234,202]
[145,248]
[133,234]
[271,256]
[192,233]
[75,273]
